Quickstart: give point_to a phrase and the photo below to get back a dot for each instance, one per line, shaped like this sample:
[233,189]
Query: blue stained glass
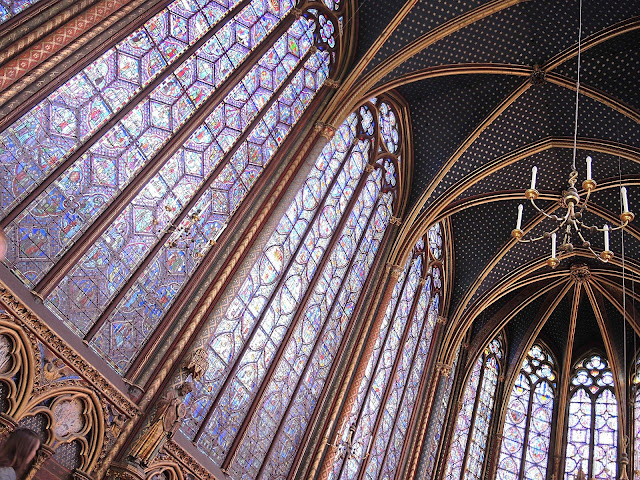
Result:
[10,8]
[477,400]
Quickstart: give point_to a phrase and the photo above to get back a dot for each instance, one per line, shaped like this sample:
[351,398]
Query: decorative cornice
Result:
[68,355]
[444,369]
[177,452]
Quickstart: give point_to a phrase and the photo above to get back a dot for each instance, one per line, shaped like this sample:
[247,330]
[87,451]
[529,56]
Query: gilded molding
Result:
[395,221]
[329,82]
[325,130]
[177,452]
[221,279]
[74,360]
[442,319]
[396,271]
[369,168]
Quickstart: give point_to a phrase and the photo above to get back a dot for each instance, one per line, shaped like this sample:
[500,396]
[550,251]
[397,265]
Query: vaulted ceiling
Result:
[491,88]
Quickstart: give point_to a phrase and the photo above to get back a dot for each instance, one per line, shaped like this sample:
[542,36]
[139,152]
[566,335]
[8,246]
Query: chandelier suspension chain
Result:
[575,127]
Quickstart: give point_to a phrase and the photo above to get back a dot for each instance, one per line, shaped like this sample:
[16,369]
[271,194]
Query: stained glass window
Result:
[467,451]
[593,421]
[381,416]
[635,382]
[436,425]
[271,352]
[117,185]
[524,452]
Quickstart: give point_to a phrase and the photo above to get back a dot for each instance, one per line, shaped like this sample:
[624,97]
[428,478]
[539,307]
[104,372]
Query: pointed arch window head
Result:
[467,451]
[126,176]
[271,352]
[592,420]
[524,453]
[370,442]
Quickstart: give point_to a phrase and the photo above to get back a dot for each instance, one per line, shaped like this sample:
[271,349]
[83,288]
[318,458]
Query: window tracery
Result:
[467,451]
[100,159]
[527,430]
[381,415]
[592,420]
[271,352]
[635,385]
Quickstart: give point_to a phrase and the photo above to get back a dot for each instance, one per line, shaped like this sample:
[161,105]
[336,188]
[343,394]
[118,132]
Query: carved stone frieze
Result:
[182,457]
[57,345]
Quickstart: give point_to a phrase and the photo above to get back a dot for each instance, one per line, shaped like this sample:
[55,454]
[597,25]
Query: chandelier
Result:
[570,226]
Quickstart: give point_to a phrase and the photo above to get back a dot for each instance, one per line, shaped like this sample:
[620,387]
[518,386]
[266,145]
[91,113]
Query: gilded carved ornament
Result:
[22,315]
[325,130]
[164,423]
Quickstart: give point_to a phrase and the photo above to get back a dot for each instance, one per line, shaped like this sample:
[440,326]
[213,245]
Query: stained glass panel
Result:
[593,421]
[182,182]
[41,139]
[636,421]
[466,455]
[266,354]
[65,209]
[527,428]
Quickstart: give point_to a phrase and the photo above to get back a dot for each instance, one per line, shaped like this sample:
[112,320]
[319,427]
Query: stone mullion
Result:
[186,336]
[317,342]
[156,337]
[525,440]
[254,330]
[412,314]
[327,465]
[493,440]
[563,394]
[474,412]
[188,207]
[154,165]
[457,392]
[44,79]
[296,318]
[394,369]
[427,377]
[332,374]
[117,117]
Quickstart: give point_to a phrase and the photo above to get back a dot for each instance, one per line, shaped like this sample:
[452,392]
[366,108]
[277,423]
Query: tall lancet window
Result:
[635,381]
[593,421]
[527,427]
[271,352]
[117,185]
[11,8]
[466,457]
[389,391]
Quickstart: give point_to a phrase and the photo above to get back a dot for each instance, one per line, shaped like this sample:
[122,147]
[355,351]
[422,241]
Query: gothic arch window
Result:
[592,420]
[119,183]
[467,452]
[271,352]
[526,438]
[635,384]
[381,415]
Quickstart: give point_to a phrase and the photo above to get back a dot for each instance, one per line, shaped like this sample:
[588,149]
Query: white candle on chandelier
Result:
[606,237]
[553,245]
[534,173]
[625,201]
[519,223]
[588,168]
